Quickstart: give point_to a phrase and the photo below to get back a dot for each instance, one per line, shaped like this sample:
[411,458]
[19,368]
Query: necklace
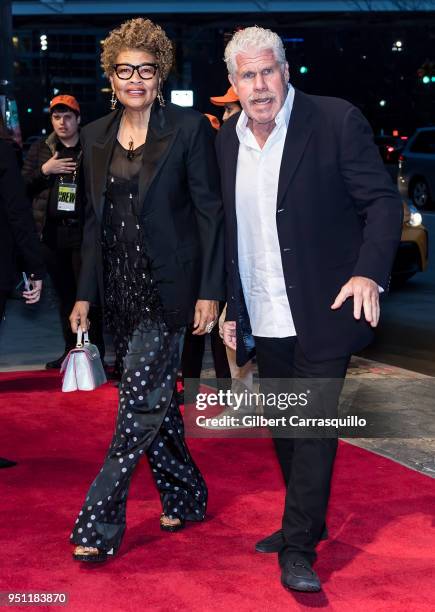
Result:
[130,152]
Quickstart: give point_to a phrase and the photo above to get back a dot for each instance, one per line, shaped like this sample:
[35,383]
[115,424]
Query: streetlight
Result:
[43,41]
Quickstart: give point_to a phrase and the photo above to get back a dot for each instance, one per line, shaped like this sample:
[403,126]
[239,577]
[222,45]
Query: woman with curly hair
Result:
[153,254]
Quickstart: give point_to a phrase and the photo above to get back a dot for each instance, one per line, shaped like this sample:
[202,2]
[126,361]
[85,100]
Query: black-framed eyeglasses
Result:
[145,71]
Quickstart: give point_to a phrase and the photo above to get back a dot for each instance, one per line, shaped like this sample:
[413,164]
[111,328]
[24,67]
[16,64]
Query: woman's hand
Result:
[32,295]
[79,316]
[206,313]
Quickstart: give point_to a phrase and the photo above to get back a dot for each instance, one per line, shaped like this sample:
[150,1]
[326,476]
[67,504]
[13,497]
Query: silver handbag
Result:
[82,368]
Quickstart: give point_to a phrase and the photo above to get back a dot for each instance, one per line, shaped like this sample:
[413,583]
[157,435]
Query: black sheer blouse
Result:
[131,295]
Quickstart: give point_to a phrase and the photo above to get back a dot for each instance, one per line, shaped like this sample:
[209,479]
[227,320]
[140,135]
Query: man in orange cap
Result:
[230,102]
[51,174]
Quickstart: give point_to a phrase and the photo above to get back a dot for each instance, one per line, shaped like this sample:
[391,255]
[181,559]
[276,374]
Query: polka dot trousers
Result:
[149,422]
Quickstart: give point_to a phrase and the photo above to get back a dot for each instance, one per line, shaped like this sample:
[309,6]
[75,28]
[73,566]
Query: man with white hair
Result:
[312,225]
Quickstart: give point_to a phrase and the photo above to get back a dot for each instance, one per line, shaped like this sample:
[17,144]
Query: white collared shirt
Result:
[260,263]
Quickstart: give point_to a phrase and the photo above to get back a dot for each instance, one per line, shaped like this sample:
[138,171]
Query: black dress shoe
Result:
[56,363]
[274,542]
[298,575]
[5,463]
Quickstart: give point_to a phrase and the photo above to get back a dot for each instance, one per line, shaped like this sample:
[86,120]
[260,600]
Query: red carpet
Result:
[380,555]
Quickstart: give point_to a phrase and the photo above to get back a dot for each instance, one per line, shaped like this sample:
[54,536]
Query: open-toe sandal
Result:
[166,527]
[88,554]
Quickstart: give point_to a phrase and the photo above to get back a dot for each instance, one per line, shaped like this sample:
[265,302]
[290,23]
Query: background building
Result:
[379,60]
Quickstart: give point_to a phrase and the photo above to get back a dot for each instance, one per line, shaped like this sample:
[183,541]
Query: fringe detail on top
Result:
[131,294]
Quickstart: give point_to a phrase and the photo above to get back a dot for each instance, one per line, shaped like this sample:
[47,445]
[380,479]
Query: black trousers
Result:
[306,463]
[63,266]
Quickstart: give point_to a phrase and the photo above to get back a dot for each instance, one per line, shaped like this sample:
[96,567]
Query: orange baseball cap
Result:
[213,120]
[230,96]
[66,100]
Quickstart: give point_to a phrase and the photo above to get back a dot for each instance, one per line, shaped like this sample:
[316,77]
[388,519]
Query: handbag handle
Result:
[81,335]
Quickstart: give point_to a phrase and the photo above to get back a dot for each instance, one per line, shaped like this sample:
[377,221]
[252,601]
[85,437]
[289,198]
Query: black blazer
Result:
[17,229]
[338,215]
[182,213]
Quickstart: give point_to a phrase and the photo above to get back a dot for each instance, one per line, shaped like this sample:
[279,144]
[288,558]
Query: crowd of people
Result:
[154,222]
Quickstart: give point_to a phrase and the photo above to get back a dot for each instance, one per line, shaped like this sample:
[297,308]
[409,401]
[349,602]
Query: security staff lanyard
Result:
[66,198]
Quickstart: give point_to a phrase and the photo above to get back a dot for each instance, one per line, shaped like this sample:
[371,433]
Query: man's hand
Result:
[65,165]
[79,316]
[222,321]
[32,296]
[229,329]
[206,311]
[365,294]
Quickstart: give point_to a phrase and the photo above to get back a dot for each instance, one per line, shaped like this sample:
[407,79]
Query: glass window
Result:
[424,142]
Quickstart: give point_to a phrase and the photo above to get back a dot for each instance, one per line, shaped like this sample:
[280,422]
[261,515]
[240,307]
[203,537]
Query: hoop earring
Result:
[160,97]
[113,101]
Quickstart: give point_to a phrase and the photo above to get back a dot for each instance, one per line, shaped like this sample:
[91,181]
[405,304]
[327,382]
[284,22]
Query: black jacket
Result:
[182,214]
[338,215]
[38,185]
[17,229]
